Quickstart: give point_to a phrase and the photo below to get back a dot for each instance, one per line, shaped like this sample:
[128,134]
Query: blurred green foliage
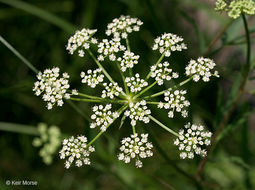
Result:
[39,31]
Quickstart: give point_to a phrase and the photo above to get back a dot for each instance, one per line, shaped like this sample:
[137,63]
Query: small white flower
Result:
[135,83]
[52,87]
[202,68]
[135,147]
[103,116]
[192,140]
[108,48]
[168,43]
[138,112]
[175,101]
[76,150]
[92,78]
[111,90]
[81,41]
[121,27]
[162,72]
[128,60]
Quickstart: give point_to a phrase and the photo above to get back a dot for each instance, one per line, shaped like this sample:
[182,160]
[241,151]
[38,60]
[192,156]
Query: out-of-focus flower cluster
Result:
[235,8]
[135,147]
[49,140]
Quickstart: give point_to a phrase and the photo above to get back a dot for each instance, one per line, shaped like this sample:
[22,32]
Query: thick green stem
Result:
[159,60]
[18,128]
[145,90]
[99,100]
[163,126]
[122,109]
[100,66]
[169,89]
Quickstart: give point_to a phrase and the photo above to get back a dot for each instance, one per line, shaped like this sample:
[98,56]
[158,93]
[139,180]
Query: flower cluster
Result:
[236,7]
[81,40]
[162,72]
[128,60]
[175,101]
[76,150]
[50,140]
[52,86]
[135,83]
[111,90]
[138,112]
[201,68]
[109,48]
[93,78]
[135,147]
[168,43]
[135,101]
[192,140]
[103,116]
[121,27]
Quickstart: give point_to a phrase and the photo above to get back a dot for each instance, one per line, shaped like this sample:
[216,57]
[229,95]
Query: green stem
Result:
[145,90]
[248,56]
[89,96]
[154,103]
[128,46]
[99,100]
[13,50]
[163,126]
[133,128]
[123,79]
[100,66]
[169,89]
[122,109]
[159,60]
[18,128]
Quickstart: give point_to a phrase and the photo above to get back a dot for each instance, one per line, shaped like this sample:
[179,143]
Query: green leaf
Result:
[41,14]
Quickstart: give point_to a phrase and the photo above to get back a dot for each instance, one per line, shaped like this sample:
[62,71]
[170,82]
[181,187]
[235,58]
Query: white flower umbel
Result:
[81,41]
[122,26]
[111,90]
[192,140]
[103,116]
[52,87]
[175,101]
[201,68]
[92,78]
[162,72]
[168,43]
[135,147]
[138,112]
[135,83]
[76,150]
[128,60]
[109,48]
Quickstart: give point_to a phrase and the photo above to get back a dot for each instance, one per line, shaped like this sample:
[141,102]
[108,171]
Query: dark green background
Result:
[39,30]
